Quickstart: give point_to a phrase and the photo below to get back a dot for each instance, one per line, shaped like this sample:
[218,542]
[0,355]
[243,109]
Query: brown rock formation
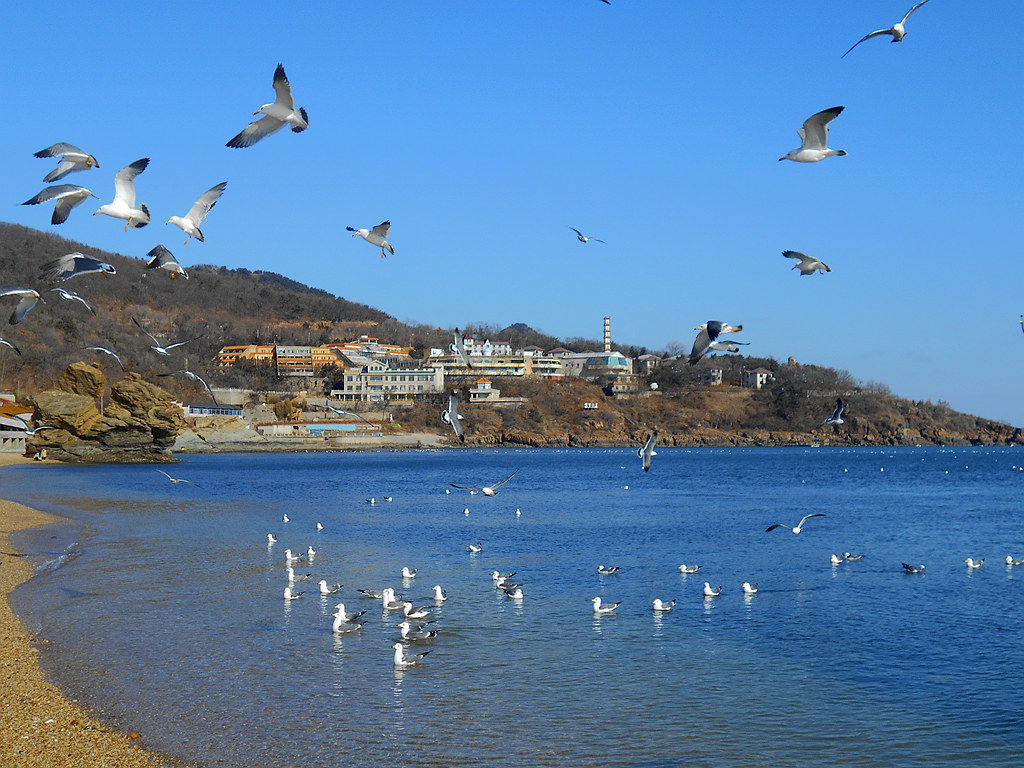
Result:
[139,424]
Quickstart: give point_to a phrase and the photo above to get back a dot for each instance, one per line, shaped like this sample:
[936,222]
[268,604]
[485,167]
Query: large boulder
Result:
[139,424]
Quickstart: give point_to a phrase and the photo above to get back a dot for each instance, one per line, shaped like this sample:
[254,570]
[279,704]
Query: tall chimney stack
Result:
[607,335]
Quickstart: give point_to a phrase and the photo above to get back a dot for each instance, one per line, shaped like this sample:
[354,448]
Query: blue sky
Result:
[485,129]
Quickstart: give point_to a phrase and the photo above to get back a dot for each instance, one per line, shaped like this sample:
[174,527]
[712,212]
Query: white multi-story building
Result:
[372,381]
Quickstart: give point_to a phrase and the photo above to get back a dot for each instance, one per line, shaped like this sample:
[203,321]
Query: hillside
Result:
[220,306]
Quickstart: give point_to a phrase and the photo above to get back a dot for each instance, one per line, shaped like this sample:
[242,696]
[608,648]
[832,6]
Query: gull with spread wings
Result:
[123,204]
[190,222]
[276,115]
[159,348]
[487,490]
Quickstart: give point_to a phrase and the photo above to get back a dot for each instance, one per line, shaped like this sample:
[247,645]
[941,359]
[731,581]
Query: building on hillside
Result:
[559,352]
[483,392]
[531,351]
[486,348]
[711,376]
[757,378]
[647,363]
[262,354]
[375,379]
[624,384]
[504,365]
[595,365]
[192,410]
[293,360]
[371,346]
[12,426]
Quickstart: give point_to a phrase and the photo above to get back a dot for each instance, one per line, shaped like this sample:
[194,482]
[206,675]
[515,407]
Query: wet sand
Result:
[39,727]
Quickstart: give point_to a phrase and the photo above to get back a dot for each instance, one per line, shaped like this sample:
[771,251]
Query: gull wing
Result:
[805,518]
[179,343]
[145,331]
[912,10]
[283,88]
[106,351]
[202,206]
[815,130]
[160,256]
[255,131]
[124,181]
[502,482]
[868,36]
[22,309]
[382,229]
[700,347]
[62,147]
[795,255]
[466,487]
[63,169]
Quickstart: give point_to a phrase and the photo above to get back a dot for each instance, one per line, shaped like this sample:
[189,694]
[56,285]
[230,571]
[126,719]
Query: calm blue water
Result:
[169,617]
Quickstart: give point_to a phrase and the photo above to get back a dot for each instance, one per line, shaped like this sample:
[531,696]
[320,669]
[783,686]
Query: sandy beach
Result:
[38,725]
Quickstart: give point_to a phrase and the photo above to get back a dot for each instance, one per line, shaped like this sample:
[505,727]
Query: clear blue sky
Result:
[484,129]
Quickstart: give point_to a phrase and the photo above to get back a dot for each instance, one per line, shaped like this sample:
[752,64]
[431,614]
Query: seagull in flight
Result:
[709,333]
[340,412]
[275,115]
[190,222]
[162,350]
[7,343]
[799,526]
[837,415]
[487,490]
[459,348]
[896,30]
[453,417]
[814,138]
[106,351]
[584,239]
[67,196]
[808,264]
[72,296]
[28,298]
[123,204]
[72,265]
[161,258]
[175,480]
[30,431]
[71,159]
[377,236]
[647,451]
[191,375]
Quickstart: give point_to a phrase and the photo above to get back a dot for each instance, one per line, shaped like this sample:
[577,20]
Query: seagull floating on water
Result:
[808,264]
[799,526]
[123,204]
[71,159]
[72,265]
[341,614]
[419,612]
[271,538]
[68,196]
[749,589]
[850,557]
[814,137]
[710,591]
[913,568]
[414,634]
[687,569]
[377,236]
[439,594]
[292,577]
[974,563]
[371,593]
[487,490]
[517,594]
[290,595]
[836,560]
[475,548]
[276,115]
[327,589]
[583,238]
[600,609]
[401,660]
[290,558]
[896,30]
[607,570]
[661,605]
[319,526]
[408,573]
[190,222]
[310,552]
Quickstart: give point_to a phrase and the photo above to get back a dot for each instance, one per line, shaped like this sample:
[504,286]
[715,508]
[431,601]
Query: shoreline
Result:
[39,726]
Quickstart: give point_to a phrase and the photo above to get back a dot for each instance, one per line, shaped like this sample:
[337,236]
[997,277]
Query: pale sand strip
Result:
[39,727]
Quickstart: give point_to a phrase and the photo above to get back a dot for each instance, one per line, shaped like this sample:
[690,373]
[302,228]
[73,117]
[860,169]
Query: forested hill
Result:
[219,305]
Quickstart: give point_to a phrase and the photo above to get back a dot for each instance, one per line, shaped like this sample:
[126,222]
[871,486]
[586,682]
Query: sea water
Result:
[166,612]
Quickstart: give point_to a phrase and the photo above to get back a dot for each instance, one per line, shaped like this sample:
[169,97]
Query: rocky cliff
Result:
[139,423]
